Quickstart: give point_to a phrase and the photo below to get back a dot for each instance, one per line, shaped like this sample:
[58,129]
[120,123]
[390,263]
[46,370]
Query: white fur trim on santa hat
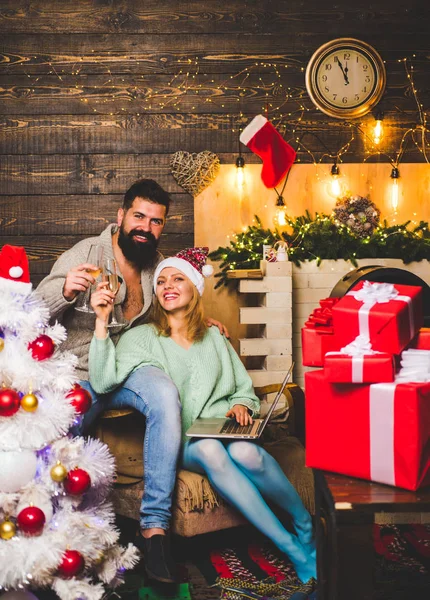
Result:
[252,128]
[185,267]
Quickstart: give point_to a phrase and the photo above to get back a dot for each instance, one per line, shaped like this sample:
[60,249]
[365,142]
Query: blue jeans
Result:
[151,392]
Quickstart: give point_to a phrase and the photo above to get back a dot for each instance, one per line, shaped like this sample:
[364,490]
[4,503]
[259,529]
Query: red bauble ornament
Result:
[71,564]
[77,482]
[80,399]
[31,520]
[42,347]
[9,402]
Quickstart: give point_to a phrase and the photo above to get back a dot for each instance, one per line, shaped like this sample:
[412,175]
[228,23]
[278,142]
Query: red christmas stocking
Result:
[277,155]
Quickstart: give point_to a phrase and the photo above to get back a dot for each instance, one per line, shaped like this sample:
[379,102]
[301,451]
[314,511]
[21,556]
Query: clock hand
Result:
[343,73]
[346,73]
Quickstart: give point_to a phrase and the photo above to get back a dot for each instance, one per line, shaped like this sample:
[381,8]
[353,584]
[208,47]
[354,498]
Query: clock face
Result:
[345,78]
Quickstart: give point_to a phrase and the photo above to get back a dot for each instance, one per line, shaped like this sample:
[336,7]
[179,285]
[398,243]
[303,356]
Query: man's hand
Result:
[222,328]
[240,413]
[78,280]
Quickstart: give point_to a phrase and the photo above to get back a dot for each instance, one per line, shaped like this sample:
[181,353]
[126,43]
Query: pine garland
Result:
[323,237]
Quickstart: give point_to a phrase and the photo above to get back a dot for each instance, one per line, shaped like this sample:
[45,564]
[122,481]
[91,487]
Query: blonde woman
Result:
[212,382]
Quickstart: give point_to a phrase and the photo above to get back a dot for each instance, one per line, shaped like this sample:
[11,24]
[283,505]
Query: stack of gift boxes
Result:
[368,409]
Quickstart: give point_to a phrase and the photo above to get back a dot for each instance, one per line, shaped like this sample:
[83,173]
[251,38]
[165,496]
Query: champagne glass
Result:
[110,275]
[95,257]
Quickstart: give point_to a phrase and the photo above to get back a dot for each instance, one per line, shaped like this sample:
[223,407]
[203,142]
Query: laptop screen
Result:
[278,395]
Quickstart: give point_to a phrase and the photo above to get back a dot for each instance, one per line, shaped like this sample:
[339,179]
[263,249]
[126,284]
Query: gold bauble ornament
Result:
[1,344]
[58,472]
[29,402]
[100,558]
[7,530]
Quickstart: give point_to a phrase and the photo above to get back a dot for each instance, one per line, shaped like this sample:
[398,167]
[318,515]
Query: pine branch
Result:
[322,237]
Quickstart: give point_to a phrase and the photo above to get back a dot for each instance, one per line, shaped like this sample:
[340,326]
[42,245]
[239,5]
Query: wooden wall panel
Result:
[79,215]
[151,54]
[127,94]
[94,94]
[222,16]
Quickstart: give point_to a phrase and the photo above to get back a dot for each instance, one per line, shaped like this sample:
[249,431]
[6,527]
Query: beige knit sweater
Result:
[79,325]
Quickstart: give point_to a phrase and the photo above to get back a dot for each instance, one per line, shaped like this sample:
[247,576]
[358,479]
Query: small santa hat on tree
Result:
[14,270]
[263,139]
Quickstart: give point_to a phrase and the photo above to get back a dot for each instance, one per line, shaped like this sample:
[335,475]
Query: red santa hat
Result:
[192,263]
[14,271]
[277,155]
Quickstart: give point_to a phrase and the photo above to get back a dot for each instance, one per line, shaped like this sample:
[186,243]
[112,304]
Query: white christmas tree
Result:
[56,527]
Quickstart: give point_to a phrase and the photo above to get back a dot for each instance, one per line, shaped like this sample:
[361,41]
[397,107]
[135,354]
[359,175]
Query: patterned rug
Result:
[248,566]
[256,569]
[241,565]
[403,562]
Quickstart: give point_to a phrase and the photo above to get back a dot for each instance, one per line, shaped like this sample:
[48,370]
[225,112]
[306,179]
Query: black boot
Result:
[158,562]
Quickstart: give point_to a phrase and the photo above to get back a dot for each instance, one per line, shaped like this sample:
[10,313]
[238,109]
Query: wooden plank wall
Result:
[95,93]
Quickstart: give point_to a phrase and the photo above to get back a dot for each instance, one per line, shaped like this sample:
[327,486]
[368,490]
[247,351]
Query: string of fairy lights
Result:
[285,105]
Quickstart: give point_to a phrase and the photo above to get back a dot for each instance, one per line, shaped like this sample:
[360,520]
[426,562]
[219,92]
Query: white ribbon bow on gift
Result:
[375,293]
[359,347]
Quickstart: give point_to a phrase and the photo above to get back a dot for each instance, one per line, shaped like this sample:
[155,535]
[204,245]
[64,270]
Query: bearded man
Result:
[132,242]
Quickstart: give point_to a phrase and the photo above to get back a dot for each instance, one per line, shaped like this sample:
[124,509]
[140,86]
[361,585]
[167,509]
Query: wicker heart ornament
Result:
[194,172]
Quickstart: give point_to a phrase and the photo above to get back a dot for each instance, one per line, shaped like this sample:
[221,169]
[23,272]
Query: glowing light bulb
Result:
[280,218]
[240,172]
[335,187]
[378,131]
[395,188]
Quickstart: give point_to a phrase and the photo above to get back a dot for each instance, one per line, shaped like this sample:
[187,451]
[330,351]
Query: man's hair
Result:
[196,322]
[148,189]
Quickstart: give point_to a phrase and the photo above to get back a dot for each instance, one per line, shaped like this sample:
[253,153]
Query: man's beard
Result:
[141,254]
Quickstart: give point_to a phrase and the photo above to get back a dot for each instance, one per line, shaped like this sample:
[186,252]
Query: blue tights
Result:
[245,474]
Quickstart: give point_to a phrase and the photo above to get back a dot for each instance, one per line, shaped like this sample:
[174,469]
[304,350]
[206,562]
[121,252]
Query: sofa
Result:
[197,508]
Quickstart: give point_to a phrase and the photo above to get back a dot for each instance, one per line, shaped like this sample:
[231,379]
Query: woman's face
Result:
[173,289]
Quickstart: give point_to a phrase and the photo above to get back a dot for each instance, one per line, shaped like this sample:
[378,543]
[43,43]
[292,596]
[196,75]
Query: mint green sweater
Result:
[209,376]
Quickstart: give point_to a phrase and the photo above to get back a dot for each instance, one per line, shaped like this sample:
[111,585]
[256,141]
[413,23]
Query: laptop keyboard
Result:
[234,427]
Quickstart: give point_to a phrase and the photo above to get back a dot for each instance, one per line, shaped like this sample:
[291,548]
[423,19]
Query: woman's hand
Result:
[102,302]
[240,413]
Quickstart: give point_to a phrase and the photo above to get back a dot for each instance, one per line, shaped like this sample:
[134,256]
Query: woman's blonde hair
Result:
[195,318]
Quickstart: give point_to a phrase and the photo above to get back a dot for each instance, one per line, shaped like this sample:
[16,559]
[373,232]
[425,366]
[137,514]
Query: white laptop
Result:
[230,428]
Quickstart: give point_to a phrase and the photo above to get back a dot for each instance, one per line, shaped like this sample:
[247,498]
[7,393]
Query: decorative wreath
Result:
[360,214]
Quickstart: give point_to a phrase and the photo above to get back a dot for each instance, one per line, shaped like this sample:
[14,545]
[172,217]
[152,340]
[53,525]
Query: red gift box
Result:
[422,340]
[388,314]
[378,432]
[315,344]
[369,368]
[317,334]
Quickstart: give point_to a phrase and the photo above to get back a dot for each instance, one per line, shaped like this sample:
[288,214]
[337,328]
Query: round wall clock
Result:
[345,78]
